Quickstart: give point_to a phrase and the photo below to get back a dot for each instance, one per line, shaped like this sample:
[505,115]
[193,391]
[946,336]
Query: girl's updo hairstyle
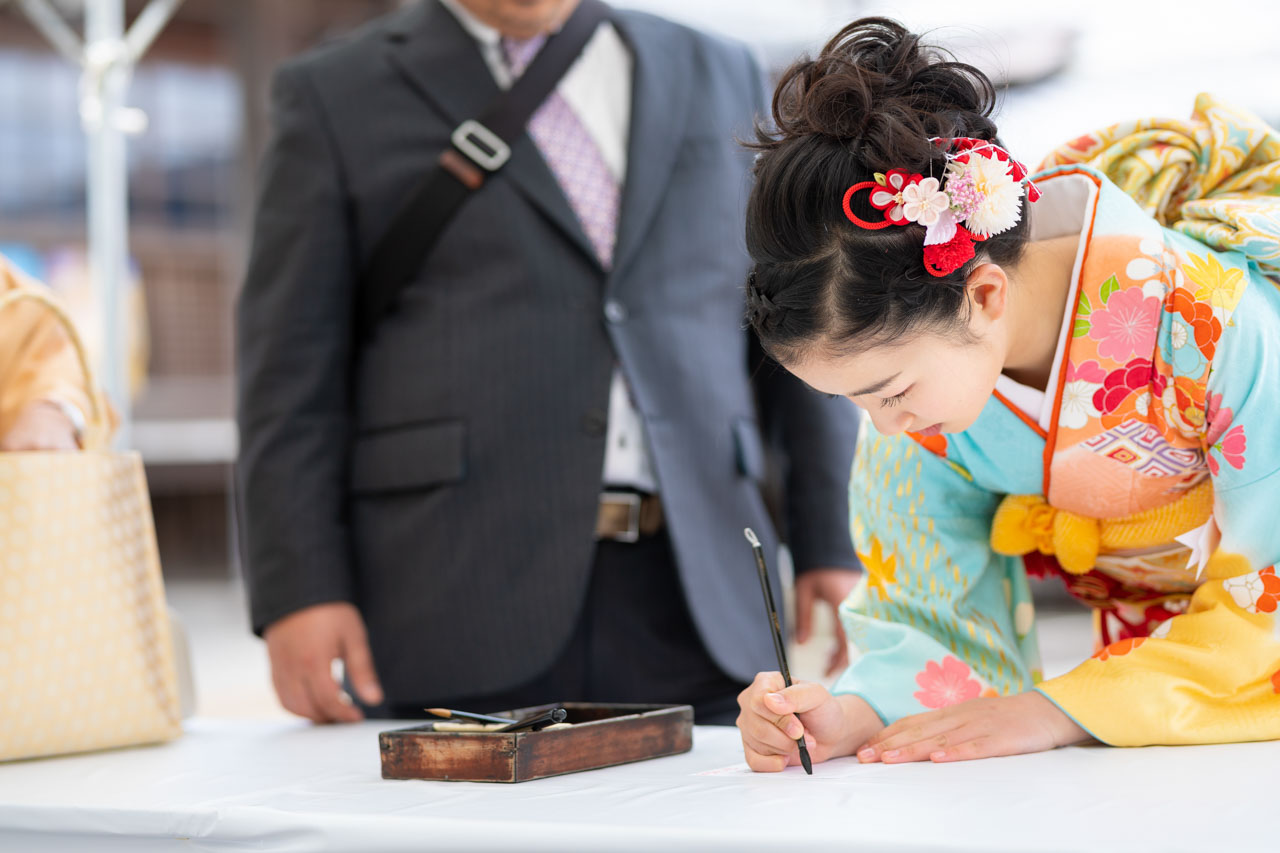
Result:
[869,103]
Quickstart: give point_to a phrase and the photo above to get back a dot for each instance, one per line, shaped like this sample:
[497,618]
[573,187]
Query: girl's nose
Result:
[892,423]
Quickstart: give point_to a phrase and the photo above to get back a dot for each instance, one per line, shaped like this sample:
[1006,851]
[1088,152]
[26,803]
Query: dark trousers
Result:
[635,641]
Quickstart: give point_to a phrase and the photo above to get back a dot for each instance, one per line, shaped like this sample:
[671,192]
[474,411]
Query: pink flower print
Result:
[1232,447]
[1219,430]
[946,684]
[1083,382]
[1217,419]
[1126,324]
[1085,371]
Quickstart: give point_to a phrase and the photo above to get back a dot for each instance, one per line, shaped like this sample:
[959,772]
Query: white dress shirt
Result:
[598,89]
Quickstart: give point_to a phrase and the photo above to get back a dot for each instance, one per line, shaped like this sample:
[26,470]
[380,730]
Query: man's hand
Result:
[979,728]
[774,715]
[831,586]
[40,426]
[302,647]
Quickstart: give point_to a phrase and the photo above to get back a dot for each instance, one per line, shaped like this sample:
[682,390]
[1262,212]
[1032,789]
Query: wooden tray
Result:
[602,735]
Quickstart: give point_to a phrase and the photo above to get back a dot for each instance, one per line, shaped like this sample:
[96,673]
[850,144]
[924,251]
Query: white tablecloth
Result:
[290,786]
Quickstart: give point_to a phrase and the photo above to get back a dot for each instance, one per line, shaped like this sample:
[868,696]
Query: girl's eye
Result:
[893,401]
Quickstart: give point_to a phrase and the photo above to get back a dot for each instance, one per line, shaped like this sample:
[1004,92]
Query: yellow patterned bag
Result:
[86,660]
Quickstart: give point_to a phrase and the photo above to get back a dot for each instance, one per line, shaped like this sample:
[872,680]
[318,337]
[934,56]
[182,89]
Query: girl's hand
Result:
[774,715]
[979,728]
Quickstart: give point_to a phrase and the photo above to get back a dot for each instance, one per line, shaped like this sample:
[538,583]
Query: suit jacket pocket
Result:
[409,458]
[748,448]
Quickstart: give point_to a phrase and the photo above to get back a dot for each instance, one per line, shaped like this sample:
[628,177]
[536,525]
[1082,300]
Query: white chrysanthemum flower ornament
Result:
[1000,196]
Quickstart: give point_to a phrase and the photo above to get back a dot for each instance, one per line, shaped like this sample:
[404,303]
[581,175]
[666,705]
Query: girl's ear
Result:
[987,289]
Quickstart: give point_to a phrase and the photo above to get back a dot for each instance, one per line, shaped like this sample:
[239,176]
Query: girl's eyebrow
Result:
[871,389]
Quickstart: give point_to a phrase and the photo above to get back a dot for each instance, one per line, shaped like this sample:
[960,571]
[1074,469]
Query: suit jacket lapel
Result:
[660,99]
[442,62]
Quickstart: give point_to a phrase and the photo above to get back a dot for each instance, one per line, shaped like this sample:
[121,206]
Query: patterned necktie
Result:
[572,155]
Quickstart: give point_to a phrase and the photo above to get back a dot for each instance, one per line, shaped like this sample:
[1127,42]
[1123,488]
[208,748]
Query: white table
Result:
[290,786]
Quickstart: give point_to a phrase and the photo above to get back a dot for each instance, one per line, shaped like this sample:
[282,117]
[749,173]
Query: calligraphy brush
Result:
[537,721]
[777,632]
[540,718]
[448,713]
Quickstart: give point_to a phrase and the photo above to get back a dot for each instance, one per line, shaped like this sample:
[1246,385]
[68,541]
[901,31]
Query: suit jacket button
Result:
[614,311]
[594,423]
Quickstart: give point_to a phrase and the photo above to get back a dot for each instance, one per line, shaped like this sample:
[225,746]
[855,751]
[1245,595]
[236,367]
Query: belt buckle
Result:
[485,148]
[632,500]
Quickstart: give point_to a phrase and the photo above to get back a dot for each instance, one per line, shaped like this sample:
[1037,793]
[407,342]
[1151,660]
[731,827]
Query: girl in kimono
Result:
[1060,376]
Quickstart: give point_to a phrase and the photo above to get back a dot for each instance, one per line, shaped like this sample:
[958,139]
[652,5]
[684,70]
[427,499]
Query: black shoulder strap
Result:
[480,148]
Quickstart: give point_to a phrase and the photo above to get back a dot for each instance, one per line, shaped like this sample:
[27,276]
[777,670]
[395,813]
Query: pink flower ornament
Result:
[924,201]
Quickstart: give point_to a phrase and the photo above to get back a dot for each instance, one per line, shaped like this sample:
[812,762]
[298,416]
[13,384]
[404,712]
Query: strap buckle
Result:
[485,148]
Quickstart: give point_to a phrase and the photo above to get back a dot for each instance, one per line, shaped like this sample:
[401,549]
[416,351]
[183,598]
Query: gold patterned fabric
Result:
[1214,177]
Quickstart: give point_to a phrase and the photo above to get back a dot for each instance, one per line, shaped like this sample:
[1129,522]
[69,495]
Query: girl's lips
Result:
[930,432]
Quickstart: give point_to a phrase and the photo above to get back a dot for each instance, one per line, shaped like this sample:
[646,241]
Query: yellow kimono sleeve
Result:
[1210,675]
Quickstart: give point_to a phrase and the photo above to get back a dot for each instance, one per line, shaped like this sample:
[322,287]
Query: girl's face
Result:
[927,383]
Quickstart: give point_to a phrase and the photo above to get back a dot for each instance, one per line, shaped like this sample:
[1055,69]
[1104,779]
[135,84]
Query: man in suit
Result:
[530,483]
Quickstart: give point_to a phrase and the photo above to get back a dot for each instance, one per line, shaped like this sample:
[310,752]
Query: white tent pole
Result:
[107,55]
[106,79]
[47,20]
[147,26]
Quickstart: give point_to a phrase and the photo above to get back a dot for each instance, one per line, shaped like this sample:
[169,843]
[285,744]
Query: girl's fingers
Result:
[768,722]
[932,744]
[764,746]
[788,724]
[766,733]
[904,732]
[768,757]
[982,746]
[765,763]
[798,698]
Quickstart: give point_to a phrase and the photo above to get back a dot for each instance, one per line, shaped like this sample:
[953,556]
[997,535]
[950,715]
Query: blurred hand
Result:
[40,426]
[979,728]
[773,716]
[302,647]
[831,586]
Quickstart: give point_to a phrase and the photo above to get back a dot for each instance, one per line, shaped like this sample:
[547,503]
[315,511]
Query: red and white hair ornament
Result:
[979,194]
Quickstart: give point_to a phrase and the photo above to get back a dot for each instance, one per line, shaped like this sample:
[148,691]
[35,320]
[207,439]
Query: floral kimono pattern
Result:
[1153,492]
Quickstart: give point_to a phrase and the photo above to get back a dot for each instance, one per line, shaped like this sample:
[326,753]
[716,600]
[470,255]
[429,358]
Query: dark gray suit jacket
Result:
[445,475]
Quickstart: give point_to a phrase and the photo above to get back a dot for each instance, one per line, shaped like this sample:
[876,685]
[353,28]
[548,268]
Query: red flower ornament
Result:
[945,258]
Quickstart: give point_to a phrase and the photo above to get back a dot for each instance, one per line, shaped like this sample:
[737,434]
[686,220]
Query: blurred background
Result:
[202,87]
